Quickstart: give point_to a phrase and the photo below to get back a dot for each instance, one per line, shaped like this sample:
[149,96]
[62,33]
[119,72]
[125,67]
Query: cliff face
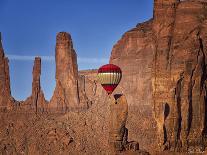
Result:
[179,79]
[88,83]
[6,100]
[134,54]
[163,27]
[164,66]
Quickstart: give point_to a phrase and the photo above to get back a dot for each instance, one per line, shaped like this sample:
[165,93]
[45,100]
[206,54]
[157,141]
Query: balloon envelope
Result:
[109,76]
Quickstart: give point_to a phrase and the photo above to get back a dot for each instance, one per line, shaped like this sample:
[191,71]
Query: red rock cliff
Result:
[134,54]
[6,100]
[164,66]
[179,79]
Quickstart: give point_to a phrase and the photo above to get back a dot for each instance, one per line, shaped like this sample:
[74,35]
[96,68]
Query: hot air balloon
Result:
[109,76]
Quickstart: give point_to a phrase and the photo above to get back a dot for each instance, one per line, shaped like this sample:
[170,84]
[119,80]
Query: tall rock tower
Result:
[38,99]
[66,94]
[6,101]
[36,102]
[36,82]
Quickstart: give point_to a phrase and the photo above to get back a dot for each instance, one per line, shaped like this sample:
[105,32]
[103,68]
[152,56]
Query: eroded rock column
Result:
[118,117]
[6,100]
[38,99]
[118,133]
[66,94]
[36,102]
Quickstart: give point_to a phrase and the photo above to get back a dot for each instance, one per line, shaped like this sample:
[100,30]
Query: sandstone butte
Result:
[163,109]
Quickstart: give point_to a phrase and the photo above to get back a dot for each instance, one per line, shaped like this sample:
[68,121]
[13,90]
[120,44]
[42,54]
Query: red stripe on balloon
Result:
[109,87]
[109,68]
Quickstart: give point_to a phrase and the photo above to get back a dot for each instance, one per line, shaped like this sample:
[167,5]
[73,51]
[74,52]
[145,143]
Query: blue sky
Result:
[29,28]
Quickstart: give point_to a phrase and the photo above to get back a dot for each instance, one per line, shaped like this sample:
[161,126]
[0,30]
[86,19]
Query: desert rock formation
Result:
[6,100]
[118,114]
[164,81]
[66,91]
[67,94]
[36,102]
[118,133]
[179,79]
[164,69]
[134,54]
